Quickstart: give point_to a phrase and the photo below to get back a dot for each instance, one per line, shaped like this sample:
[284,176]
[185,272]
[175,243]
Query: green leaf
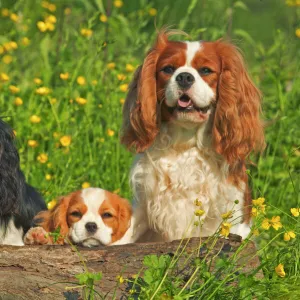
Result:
[241,5]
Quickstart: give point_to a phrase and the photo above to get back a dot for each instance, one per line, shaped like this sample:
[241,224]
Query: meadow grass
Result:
[64,73]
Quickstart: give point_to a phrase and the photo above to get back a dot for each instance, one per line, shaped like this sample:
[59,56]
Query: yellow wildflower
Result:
[110,132]
[227,215]
[94,82]
[121,77]
[71,101]
[13,89]
[4,77]
[129,68]
[15,132]
[117,191]
[265,224]
[111,65]
[275,222]
[199,212]
[48,177]
[37,81]
[225,229]
[81,100]
[56,134]
[14,17]
[118,3]
[197,202]
[18,101]
[295,212]
[67,11]
[152,12]
[13,45]
[85,185]
[50,19]
[103,18]
[254,212]
[81,80]
[50,26]
[297,32]
[120,279]
[86,32]
[280,270]
[258,202]
[25,41]
[255,232]
[53,100]
[42,158]
[42,26]
[289,235]
[122,101]
[5,12]
[43,91]
[32,143]
[51,204]
[35,119]
[64,76]
[124,87]
[65,140]
[259,206]
[2,49]
[49,6]
[7,59]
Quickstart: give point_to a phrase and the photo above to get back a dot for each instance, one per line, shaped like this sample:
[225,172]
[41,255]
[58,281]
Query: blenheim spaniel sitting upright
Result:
[192,116]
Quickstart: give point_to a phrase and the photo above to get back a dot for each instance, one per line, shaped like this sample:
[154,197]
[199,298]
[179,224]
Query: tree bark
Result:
[44,272]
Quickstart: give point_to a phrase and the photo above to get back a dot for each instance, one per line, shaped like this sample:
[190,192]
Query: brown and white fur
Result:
[192,117]
[90,217]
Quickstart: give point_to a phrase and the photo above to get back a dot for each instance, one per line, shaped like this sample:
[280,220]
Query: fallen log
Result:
[44,272]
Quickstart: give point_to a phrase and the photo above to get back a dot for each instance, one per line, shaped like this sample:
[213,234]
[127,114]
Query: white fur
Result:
[93,199]
[14,236]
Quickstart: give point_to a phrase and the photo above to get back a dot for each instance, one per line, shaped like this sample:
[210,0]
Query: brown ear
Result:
[56,217]
[237,129]
[124,215]
[140,112]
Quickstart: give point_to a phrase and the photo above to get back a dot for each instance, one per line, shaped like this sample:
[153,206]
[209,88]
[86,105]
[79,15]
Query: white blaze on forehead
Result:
[192,49]
[93,199]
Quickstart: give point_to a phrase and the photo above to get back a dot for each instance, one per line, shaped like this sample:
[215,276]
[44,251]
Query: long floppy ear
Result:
[140,112]
[124,215]
[56,217]
[237,129]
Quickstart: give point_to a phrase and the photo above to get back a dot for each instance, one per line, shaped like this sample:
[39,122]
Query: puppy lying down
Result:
[90,217]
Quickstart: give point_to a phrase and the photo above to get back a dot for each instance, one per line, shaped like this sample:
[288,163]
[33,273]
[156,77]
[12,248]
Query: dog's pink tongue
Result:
[184,103]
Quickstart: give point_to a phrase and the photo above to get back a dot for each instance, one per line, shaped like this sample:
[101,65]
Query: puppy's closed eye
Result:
[106,215]
[76,214]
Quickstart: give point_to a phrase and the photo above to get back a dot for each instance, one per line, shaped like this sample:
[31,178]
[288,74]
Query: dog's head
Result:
[189,83]
[90,217]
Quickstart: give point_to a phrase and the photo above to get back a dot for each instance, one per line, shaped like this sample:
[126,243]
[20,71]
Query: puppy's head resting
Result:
[89,217]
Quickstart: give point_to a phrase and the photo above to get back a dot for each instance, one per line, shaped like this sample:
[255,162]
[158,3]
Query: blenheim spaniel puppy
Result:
[90,217]
[192,117]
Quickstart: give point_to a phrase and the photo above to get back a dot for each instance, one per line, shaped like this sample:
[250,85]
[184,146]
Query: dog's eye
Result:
[205,71]
[168,69]
[76,214]
[107,215]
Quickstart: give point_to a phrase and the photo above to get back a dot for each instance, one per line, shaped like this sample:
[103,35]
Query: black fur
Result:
[18,200]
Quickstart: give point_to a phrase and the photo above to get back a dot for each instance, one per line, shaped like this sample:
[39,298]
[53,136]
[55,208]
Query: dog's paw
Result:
[37,236]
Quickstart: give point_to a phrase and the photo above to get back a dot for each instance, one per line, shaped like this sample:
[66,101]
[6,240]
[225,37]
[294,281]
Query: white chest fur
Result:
[167,179]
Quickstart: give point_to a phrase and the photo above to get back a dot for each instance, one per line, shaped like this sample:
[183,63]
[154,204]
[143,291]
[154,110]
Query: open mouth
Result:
[185,103]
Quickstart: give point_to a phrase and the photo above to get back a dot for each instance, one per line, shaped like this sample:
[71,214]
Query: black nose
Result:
[91,227]
[185,80]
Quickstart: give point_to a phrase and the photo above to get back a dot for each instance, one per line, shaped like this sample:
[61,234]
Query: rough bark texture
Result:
[43,272]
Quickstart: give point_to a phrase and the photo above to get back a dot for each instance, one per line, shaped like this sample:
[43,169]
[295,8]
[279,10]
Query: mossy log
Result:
[44,272]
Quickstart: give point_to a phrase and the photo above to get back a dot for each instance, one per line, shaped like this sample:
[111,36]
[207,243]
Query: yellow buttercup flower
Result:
[111,65]
[124,87]
[260,207]
[4,77]
[43,91]
[225,229]
[227,215]
[51,204]
[280,270]
[64,76]
[14,17]
[65,140]
[152,12]
[2,49]
[35,119]
[103,18]
[197,202]
[50,26]
[275,222]
[129,68]
[48,177]
[86,32]
[5,12]
[289,235]
[15,132]
[81,80]
[37,81]
[25,41]
[50,19]
[254,212]
[122,101]
[42,158]
[13,45]
[118,3]
[42,26]
[81,101]
[13,89]
[18,101]
[119,277]
[199,213]
[297,32]
[85,185]
[121,77]
[7,59]
[295,212]
[110,132]
[94,82]
[49,6]
[255,232]
[265,224]
[32,143]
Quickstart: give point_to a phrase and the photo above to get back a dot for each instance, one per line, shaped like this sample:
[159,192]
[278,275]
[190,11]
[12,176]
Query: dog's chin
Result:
[91,242]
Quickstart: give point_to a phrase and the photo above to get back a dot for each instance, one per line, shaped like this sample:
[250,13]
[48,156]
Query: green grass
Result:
[264,30]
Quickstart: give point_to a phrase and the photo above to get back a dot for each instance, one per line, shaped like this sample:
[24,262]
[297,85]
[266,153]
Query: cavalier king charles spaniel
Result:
[192,117]
[19,202]
[90,217]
